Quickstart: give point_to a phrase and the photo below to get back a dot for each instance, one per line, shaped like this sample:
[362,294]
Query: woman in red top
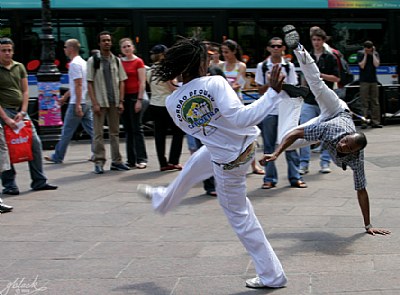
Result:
[135,87]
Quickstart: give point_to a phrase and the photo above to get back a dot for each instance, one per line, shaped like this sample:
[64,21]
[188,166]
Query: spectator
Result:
[235,72]
[214,54]
[106,77]
[327,65]
[135,87]
[368,60]
[162,120]
[78,112]
[270,123]
[14,98]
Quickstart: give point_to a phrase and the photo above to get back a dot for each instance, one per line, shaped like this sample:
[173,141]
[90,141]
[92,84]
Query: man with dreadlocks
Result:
[207,108]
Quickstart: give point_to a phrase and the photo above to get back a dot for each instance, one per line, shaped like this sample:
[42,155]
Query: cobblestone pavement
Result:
[95,235]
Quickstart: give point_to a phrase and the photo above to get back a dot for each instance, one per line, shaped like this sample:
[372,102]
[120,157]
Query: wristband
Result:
[369,226]
[23,113]
[140,99]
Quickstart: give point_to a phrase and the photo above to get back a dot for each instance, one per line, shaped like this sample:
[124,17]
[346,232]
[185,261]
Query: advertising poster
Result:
[49,108]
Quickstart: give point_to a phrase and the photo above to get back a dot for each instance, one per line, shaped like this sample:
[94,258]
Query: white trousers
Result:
[328,101]
[231,190]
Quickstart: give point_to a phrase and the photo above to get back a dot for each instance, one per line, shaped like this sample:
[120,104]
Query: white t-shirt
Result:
[77,70]
[290,78]
[159,90]
[210,110]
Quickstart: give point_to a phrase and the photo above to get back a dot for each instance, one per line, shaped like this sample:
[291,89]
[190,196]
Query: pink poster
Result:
[49,107]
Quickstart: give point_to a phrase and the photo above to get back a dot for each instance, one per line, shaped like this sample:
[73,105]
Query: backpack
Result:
[96,62]
[345,74]
[264,69]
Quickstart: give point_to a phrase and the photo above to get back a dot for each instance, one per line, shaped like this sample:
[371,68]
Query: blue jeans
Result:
[309,111]
[270,133]
[71,122]
[35,166]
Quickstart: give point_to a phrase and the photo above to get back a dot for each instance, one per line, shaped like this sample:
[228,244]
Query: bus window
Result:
[162,33]
[61,33]
[349,37]
[201,31]
[5,30]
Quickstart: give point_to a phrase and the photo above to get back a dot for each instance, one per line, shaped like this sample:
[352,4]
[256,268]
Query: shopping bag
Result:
[19,143]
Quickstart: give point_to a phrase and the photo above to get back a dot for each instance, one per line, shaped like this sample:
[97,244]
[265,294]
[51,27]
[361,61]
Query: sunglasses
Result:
[276,46]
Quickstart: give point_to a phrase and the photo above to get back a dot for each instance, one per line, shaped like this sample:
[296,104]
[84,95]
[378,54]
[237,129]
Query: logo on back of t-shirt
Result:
[197,111]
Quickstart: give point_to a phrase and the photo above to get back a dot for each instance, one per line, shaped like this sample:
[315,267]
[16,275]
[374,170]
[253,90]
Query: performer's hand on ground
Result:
[267,158]
[276,78]
[379,231]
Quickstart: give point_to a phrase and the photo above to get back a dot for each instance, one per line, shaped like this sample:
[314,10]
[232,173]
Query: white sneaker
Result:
[303,170]
[325,169]
[145,191]
[256,283]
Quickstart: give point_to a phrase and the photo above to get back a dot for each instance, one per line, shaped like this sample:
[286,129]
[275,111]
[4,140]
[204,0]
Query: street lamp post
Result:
[48,78]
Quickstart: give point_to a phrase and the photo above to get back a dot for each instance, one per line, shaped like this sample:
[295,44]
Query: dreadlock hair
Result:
[183,58]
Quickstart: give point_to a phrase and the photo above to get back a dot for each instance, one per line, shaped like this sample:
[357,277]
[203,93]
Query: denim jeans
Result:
[134,136]
[71,122]
[270,133]
[309,111]
[35,166]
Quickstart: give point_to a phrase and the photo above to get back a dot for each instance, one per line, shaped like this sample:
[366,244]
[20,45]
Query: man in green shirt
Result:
[14,98]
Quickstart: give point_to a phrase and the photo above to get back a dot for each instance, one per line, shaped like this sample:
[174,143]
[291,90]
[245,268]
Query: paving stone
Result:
[96,235]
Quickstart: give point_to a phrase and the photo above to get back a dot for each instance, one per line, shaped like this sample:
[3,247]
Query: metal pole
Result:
[48,78]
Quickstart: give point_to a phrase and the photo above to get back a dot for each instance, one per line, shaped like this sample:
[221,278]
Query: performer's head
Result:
[352,143]
[187,57]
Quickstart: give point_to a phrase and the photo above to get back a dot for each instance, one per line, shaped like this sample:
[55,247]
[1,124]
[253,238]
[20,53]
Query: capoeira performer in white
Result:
[228,131]
[334,128]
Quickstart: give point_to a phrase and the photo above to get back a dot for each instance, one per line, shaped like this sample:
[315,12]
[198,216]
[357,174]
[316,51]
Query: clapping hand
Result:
[276,78]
